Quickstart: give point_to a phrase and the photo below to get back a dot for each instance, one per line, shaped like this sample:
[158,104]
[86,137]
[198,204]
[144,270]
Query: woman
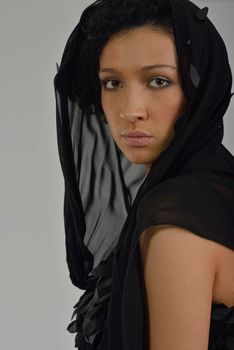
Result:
[141,92]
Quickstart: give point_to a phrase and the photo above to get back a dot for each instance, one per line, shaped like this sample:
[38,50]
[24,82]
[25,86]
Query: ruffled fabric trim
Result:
[222,328]
[91,309]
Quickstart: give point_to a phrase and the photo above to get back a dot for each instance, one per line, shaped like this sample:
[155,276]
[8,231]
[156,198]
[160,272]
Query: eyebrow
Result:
[146,68]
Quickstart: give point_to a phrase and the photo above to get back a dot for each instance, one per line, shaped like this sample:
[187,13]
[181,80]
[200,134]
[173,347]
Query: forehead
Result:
[137,46]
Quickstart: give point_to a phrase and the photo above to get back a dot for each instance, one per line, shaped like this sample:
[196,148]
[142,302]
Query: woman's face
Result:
[137,98]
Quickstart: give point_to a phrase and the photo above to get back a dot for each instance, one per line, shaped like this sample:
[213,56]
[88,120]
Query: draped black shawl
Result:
[109,201]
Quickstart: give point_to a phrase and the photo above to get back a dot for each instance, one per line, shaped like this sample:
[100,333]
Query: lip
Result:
[136,133]
[136,137]
[137,141]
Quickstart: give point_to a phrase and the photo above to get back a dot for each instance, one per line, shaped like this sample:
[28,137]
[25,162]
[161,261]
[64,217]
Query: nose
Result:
[134,116]
[134,105]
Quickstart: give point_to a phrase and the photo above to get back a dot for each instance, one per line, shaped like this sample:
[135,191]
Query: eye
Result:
[161,82]
[104,83]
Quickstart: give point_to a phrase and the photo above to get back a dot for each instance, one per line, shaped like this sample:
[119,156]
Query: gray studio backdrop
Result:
[36,293]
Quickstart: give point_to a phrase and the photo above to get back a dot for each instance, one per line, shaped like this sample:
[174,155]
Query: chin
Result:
[137,159]
[139,155]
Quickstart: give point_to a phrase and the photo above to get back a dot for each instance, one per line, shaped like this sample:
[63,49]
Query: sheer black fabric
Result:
[109,201]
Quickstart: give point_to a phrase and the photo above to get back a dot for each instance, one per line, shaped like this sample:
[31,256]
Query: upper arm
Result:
[179,269]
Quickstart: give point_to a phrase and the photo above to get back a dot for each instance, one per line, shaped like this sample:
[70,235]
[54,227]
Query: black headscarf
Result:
[109,201]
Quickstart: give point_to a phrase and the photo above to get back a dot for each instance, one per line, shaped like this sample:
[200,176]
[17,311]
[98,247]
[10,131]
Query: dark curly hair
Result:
[104,20]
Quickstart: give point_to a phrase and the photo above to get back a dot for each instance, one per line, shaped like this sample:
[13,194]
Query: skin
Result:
[133,99]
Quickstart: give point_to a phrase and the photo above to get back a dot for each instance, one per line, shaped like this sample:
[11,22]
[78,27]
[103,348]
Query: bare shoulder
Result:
[179,235]
[222,256]
[179,271]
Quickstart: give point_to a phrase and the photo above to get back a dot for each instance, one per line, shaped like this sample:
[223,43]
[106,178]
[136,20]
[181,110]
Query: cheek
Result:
[178,101]
[109,105]
[109,108]
[180,105]
[170,108]
[108,99]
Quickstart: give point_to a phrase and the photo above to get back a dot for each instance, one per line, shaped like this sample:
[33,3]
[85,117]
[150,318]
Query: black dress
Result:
[109,201]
